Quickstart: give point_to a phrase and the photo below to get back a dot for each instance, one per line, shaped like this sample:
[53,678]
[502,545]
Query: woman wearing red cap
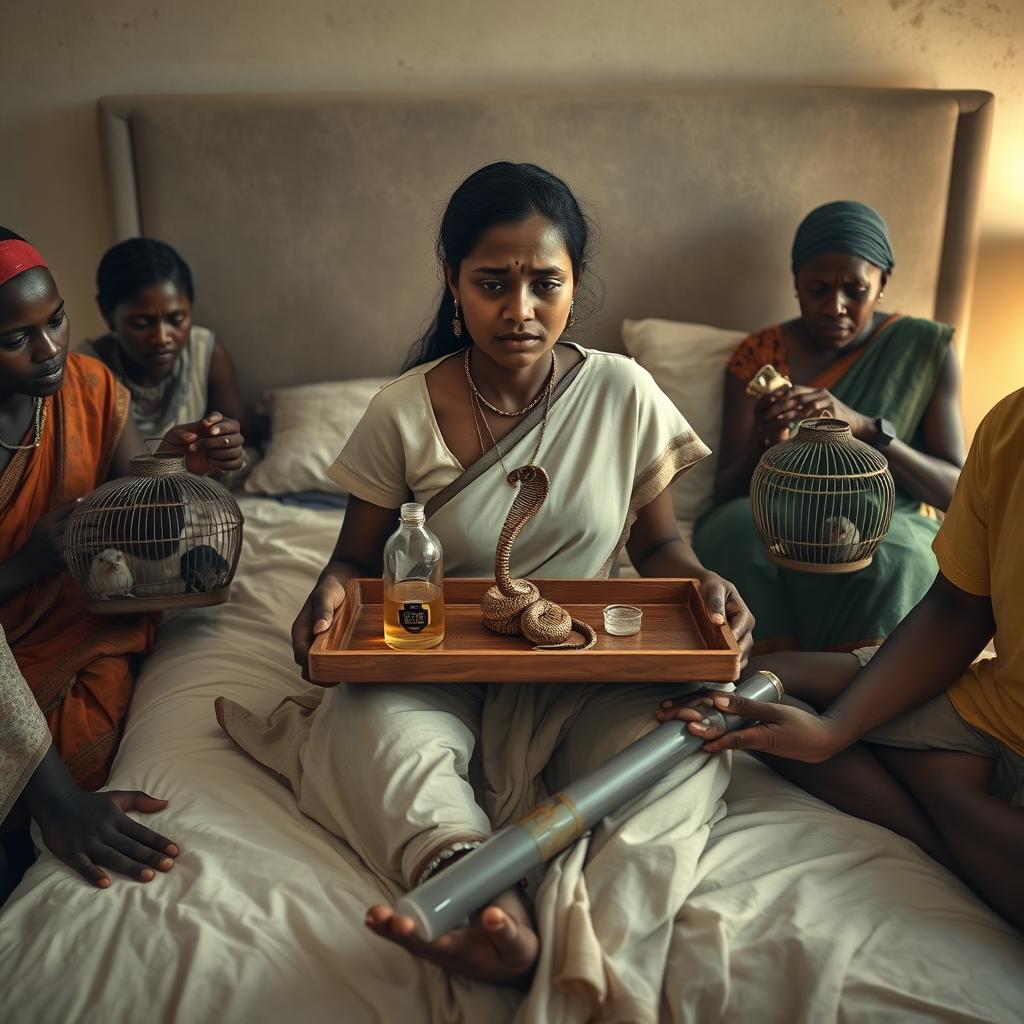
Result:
[65,428]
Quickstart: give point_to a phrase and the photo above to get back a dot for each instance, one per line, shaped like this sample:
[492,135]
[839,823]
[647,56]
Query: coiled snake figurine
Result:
[515,607]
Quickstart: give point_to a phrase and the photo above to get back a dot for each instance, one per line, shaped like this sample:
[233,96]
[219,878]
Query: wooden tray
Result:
[677,642]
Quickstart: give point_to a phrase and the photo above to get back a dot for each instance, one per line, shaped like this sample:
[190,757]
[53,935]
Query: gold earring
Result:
[456,322]
[572,316]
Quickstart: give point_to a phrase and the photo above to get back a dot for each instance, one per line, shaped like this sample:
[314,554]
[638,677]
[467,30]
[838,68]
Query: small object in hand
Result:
[767,381]
[622,620]
[203,569]
[109,575]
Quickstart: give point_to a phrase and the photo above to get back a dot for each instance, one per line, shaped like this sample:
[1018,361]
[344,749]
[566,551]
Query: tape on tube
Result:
[553,825]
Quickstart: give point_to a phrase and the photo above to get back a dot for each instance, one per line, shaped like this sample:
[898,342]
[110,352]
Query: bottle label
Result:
[414,617]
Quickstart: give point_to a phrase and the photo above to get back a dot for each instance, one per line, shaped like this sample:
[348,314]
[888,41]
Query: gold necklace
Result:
[474,402]
[504,412]
[37,432]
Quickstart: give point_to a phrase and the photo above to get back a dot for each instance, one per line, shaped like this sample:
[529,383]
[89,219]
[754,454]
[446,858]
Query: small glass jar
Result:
[622,620]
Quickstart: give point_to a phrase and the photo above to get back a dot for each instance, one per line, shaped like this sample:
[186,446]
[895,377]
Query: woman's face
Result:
[152,327]
[838,295]
[514,290]
[34,335]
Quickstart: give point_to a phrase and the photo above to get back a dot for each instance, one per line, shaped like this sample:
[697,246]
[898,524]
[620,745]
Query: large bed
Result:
[307,221]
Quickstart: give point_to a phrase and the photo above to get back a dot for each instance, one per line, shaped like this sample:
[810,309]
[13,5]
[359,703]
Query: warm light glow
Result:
[994,361]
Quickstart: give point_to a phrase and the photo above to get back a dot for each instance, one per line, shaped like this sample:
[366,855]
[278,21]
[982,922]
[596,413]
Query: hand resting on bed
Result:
[91,831]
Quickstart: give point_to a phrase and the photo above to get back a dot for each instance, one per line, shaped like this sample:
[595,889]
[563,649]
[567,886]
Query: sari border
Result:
[57,429]
[15,469]
[682,453]
[773,338]
[492,457]
[832,375]
[51,591]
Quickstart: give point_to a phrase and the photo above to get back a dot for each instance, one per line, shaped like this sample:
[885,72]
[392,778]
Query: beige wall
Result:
[995,355]
[58,56]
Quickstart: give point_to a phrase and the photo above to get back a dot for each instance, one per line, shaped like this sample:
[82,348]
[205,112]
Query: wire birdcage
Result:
[158,539]
[822,501]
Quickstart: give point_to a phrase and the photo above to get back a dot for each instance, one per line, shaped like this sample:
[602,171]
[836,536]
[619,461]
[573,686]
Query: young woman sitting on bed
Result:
[895,380]
[65,427]
[387,767]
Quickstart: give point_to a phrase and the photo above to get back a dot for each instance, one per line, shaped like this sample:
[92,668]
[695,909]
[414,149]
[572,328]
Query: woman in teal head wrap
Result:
[895,380]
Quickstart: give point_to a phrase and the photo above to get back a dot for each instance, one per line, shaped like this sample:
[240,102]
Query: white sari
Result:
[404,772]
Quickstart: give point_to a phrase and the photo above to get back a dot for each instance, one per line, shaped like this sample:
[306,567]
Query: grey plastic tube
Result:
[450,896]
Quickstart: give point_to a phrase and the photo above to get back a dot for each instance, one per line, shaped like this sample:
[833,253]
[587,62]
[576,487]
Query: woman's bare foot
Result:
[498,945]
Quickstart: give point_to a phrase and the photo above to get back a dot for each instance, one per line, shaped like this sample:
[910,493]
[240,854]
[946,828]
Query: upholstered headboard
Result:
[309,221]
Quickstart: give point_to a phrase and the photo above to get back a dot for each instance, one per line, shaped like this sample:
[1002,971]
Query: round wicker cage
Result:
[158,539]
[822,501]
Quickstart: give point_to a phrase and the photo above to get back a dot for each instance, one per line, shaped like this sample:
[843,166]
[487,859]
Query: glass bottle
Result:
[413,584]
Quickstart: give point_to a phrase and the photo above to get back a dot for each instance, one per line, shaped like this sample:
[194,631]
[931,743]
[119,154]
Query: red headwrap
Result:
[16,257]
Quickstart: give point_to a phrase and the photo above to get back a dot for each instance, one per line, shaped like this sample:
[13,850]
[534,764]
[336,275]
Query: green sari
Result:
[894,378]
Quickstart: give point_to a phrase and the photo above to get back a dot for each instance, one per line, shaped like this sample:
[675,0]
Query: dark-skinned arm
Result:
[211,445]
[657,549]
[926,653]
[931,475]
[18,573]
[222,389]
[359,551]
[129,445]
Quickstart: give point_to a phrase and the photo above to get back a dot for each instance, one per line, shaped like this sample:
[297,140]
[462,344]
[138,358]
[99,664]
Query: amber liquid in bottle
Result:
[413,615]
[413,584]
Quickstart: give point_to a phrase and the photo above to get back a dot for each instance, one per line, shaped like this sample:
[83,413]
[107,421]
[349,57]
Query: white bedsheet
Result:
[801,914]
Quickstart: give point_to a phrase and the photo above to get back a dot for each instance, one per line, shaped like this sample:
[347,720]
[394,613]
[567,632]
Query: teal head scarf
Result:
[843,226]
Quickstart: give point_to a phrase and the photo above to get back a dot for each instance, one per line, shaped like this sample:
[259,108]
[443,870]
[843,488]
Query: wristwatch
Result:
[885,433]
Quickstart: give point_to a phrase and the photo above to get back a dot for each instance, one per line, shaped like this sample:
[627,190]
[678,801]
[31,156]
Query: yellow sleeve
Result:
[961,545]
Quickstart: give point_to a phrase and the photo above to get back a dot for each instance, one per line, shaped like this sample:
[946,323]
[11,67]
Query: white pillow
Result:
[309,425]
[688,362]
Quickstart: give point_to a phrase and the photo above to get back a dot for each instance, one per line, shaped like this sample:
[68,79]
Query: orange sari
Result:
[79,666]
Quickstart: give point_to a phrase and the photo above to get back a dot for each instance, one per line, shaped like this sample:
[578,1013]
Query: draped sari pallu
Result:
[894,376]
[79,666]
